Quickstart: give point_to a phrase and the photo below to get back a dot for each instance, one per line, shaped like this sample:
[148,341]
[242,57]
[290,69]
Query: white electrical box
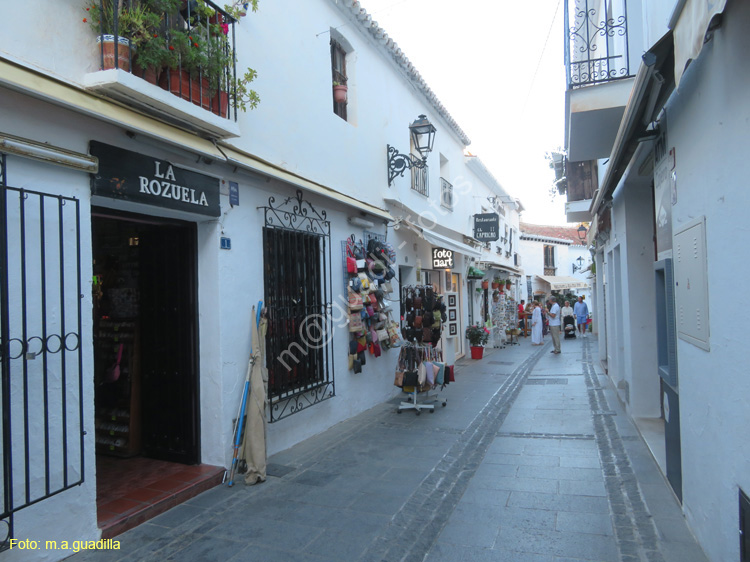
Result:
[691,283]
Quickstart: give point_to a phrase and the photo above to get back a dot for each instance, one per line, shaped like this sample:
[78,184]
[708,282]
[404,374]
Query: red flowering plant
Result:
[477,335]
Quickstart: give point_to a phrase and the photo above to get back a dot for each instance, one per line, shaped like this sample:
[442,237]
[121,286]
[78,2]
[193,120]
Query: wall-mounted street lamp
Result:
[578,267]
[582,230]
[422,137]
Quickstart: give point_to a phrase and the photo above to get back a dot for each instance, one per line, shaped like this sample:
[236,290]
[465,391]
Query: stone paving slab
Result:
[551,471]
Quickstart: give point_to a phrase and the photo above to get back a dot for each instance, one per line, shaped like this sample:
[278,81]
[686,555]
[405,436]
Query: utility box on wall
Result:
[691,284]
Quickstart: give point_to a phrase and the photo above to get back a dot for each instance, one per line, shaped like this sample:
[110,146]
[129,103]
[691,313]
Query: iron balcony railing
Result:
[446,194]
[419,180]
[188,51]
[596,42]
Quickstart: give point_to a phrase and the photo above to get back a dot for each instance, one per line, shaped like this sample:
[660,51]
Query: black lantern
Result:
[422,136]
[582,230]
[579,260]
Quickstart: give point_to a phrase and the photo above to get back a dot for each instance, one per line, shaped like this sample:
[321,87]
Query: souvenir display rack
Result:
[368,273]
[420,370]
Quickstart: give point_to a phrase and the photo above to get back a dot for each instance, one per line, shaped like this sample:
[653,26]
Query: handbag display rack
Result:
[420,370]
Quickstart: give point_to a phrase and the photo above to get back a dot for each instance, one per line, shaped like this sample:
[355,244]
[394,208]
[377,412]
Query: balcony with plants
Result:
[150,52]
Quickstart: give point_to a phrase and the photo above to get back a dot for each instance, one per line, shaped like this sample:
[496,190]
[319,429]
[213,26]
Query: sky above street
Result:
[498,68]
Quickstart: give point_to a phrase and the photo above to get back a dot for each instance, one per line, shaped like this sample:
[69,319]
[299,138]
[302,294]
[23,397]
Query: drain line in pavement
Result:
[414,529]
[635,533]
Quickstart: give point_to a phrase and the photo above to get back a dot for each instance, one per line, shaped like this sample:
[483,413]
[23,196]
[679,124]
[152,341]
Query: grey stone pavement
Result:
[532,460]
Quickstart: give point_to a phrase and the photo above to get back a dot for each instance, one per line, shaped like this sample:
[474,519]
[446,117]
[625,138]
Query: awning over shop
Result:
[443,241]
[560,282]
[692,22]
[475,273]
[501,267]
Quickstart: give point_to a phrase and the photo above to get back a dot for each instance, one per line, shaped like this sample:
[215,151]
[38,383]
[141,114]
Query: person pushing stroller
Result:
[568,321]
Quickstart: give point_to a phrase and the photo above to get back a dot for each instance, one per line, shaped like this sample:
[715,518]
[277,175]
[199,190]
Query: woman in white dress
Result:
[536,325]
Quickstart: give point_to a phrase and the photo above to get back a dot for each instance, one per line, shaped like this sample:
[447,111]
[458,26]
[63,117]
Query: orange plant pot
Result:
[477,352]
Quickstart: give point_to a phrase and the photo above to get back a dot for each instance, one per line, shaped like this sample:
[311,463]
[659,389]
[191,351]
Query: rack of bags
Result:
[421,369]
[424,313]
[369,273]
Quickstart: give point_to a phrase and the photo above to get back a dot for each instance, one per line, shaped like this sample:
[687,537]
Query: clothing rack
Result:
[411,356]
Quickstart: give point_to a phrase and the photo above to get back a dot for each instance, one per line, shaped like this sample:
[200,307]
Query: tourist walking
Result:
[554,323]
[536,324]
[581,311]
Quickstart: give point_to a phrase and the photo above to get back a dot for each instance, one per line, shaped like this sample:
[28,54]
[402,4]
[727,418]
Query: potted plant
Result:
[137,32]
[496,282]
[201,62]
[478,337]
[485,284]
[339,92]
[508,284]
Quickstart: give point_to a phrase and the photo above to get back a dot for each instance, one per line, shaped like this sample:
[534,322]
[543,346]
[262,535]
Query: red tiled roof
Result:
[561,232]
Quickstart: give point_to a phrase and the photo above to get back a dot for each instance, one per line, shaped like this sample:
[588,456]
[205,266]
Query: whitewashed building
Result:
[142,221]
[655,139]
[556,260]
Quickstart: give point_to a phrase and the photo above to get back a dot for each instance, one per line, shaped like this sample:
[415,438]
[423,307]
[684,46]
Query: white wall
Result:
[70,513]
[708,127]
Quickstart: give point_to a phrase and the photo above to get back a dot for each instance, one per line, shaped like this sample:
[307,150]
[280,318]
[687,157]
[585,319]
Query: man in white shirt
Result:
[554,323]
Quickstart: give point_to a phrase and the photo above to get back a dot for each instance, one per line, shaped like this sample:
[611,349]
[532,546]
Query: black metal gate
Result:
[41,375]
[298,296]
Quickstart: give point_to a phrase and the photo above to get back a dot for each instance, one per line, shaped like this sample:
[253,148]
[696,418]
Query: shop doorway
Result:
[145,349]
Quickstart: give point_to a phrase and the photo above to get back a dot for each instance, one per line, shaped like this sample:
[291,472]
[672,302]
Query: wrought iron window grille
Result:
[298,296]
[446,194]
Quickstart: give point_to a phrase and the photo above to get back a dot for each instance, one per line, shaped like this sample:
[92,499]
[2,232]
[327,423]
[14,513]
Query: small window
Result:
[549,256]
[338,70]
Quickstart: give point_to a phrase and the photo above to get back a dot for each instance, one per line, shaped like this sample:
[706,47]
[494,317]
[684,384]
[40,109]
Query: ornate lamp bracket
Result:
[398,163]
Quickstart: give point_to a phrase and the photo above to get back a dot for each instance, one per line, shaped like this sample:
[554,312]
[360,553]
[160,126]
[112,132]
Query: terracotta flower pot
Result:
[107,49]
[180,83]
[477,352]
[150,75]
[485,284]
[339,93]
[495,285]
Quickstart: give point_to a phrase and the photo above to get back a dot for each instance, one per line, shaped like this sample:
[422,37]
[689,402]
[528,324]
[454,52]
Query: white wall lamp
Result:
[358,221]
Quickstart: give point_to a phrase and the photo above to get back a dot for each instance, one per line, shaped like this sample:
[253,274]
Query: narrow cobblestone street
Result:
[532,460]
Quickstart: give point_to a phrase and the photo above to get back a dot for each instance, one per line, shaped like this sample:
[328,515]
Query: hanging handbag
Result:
[417,302]
[355,322]
[435,335]
[355,284]
[410,378]
[376,350]
[440,374]
[113,373]
[362,358]
[357,366]
[421,373]
[351,361]
[427,335]
[398,380]
[355,301]
[361,344]
[427,320]
[383,335]
[370,311]
[353,347]
[417,321]
[451,374]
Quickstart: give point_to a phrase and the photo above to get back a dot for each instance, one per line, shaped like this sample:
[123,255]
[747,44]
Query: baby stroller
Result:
[569,327]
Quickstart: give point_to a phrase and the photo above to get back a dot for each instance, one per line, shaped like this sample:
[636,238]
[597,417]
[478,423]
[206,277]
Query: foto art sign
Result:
[442,258]
[487,227]
[130,176]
